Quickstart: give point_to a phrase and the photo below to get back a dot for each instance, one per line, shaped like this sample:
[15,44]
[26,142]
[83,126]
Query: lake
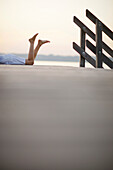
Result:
[63,63]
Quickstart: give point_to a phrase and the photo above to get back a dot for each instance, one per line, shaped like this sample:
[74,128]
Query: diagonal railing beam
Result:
[106,60]
[105,29]
[84,27]
[84,54]
[107,49]
[92,35]
[100,57]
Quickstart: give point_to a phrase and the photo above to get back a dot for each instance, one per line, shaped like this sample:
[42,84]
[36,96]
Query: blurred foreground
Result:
[56,118]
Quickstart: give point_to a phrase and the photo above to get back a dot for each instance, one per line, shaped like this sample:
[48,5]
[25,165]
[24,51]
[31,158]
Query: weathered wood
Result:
[98,44]
[92,35]
[91,46]
[107,49]
[56,118]
[100,58]
[84,54]
[84,27]
[82,44]
[106,60]
[105,29]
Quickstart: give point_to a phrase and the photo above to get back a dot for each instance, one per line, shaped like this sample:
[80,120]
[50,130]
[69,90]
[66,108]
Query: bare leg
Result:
[40,43]
[30,60]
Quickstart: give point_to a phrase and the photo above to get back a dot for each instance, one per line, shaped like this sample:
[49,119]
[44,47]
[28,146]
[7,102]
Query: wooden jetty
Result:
[56,118]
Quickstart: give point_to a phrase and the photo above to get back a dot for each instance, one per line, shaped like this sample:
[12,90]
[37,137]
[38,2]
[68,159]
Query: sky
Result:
[53,20]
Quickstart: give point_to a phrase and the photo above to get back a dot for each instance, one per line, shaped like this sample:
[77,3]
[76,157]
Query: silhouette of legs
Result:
[33,52]
[30,60]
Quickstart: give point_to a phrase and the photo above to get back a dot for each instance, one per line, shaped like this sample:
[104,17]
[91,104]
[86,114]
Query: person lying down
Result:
[12,59]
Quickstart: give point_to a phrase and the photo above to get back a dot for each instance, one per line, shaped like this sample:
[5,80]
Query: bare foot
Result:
[43,42]
[31,40]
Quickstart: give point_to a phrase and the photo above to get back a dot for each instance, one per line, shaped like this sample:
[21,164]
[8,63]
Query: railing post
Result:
[99,60]
[82,44]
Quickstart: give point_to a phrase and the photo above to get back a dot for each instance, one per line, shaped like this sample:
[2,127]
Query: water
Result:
[57,60]
[57,63]
[62,63]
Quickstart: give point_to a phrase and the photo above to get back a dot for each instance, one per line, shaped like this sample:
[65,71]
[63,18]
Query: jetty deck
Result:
[56,118]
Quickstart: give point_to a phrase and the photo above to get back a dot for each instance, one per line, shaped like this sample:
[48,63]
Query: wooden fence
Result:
[100,45]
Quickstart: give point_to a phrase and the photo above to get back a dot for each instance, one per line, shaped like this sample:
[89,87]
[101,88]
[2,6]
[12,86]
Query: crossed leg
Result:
[33,52]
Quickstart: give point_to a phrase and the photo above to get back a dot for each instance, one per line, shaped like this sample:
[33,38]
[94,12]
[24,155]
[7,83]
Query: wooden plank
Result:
[84,27]
[57,118]
[105,29]
[92,35]
[82,44]
[91,46]
[106,60]
[84,54]
[98,44]
[107,49]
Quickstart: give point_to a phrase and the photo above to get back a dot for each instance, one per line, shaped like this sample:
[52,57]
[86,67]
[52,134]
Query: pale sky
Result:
[52,19]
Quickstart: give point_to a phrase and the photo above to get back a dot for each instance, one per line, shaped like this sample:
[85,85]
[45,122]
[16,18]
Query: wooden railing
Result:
[100,45]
